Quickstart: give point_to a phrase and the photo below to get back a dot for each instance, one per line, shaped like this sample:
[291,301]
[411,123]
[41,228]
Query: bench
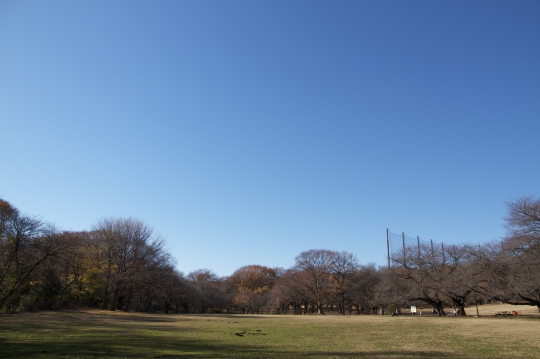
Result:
[505,313]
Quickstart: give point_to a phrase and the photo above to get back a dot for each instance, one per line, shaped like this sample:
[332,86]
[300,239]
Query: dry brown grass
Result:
[491,309]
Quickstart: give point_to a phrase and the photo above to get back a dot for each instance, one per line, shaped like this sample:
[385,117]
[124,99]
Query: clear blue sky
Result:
[246,132]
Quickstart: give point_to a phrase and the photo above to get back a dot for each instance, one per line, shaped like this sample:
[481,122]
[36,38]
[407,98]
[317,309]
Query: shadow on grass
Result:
[68,335]
[117,346]
[186,349]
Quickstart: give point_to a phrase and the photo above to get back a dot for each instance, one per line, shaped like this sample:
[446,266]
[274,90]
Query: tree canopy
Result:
[121,264]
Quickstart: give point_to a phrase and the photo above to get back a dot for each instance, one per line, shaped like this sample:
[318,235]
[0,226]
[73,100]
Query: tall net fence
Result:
[413,251]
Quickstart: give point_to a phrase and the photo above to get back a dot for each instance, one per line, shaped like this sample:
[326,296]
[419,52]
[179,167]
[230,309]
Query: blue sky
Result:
[246,132]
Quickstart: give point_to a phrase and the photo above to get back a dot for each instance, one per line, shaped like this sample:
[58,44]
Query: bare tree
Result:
[343,266]
[156,283]
[176,293]
[465,275]
[289,292]
[125,248]
[516,262]
[392,289]
[425,269]
[25,244]
[72,264]
[313,274]
[210,293]
[362,288]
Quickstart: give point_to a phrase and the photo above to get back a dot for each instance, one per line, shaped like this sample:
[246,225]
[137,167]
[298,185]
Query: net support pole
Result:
[443,256]
[418,241]
[388,247]
[403,240]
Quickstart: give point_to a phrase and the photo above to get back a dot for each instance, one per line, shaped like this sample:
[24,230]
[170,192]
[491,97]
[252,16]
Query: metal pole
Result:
[443,257]
[403,240]
[388,247]
[418,240]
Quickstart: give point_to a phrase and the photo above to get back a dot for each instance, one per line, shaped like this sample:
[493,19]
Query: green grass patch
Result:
[91,334]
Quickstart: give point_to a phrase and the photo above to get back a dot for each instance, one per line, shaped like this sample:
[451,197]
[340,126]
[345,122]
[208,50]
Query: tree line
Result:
[121,264]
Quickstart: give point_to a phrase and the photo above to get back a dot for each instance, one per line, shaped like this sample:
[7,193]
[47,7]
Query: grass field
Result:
[104,334]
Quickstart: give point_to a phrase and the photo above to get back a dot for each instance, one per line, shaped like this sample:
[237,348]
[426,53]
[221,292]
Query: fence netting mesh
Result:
[403,249]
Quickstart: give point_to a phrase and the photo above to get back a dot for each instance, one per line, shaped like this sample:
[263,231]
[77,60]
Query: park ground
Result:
[105,334]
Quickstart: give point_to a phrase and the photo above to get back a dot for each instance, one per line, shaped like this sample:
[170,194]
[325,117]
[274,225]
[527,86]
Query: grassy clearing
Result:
[491,309]
[91,334]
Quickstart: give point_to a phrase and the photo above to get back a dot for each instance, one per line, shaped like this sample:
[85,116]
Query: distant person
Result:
[433,312]
[455,312]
